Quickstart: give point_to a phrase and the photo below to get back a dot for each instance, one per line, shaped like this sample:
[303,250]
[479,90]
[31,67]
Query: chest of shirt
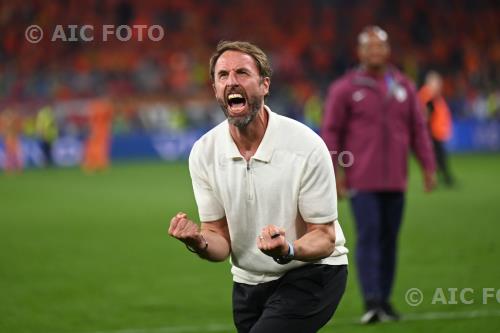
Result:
[244,184]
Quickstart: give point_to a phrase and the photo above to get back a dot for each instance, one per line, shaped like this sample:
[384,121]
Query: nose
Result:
[232,79]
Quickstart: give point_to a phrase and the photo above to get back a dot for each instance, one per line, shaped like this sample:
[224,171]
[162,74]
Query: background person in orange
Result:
[97,146]
[10,127]
[439,121]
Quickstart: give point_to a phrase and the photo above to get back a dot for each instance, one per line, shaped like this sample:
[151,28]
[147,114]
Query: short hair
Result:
[432,75]
[372,29]
[245,47]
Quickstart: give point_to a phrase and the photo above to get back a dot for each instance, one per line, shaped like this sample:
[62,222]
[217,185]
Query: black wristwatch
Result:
[283,260]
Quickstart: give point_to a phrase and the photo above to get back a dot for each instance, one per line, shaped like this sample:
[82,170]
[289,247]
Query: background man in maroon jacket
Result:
[373,112]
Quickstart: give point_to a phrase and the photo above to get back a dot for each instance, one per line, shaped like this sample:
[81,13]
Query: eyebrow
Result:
[243,70]
[222,71]
[238,70]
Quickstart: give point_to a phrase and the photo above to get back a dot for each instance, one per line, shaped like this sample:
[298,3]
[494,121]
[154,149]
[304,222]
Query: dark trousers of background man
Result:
[442,161]
[378,218]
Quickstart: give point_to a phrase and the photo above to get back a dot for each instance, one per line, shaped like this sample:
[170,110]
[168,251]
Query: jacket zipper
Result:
[385,141]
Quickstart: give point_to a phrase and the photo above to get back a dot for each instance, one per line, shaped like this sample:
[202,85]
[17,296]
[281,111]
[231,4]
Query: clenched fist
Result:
[272,241]
[186,231]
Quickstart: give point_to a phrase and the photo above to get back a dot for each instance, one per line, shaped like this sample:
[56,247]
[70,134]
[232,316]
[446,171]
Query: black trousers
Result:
[301,301]
[47,151]
[442,161]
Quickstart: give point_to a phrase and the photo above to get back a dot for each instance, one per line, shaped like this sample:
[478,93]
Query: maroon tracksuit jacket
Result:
[378,120]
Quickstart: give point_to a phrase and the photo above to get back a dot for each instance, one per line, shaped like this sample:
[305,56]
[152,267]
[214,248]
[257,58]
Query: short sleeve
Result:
[318,192]
[209,206]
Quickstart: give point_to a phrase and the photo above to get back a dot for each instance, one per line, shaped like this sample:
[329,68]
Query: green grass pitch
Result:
[90,253]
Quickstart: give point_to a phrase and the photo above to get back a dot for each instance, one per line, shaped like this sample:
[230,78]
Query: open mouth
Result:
[236,102]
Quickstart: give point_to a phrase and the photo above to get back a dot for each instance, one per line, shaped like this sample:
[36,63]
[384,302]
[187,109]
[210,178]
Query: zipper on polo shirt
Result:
[249,181]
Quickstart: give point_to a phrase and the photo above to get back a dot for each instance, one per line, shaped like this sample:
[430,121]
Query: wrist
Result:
[286,258]
[286,249]
[201,246]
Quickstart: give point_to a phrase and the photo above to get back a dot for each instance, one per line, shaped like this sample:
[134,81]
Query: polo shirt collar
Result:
[265,150]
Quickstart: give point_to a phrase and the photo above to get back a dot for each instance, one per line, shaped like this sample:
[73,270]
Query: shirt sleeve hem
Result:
[211,218]
[321,220]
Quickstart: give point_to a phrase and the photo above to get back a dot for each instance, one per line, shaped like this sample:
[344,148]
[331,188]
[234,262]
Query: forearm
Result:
[218,248]
[315,245]
[210,242]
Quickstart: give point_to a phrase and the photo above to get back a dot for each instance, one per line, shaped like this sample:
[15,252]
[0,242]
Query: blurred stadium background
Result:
[90,253]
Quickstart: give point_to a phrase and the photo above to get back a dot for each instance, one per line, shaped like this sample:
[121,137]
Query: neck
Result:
[377,71]
[248,139]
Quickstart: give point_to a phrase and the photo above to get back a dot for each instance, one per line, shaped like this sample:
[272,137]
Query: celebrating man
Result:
[265,190]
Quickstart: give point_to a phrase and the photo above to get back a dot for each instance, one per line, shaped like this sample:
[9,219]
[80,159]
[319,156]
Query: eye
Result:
[242,72]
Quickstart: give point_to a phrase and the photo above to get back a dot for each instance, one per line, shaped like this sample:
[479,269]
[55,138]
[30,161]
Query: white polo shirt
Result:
[289,180]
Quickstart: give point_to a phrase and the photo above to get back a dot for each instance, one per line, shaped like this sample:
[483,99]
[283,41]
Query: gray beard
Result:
[254,105]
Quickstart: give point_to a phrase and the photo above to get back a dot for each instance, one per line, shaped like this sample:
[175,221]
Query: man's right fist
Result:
[186,231]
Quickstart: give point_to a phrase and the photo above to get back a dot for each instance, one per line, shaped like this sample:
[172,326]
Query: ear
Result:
[359,52]
[266,83]
[213,87]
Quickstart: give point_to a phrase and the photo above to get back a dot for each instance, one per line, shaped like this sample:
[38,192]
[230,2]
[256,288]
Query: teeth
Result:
[231,96]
